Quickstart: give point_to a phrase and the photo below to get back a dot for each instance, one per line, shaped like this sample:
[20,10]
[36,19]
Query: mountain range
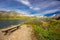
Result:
[9,13]
[57,16]
[52,14]
[14,13]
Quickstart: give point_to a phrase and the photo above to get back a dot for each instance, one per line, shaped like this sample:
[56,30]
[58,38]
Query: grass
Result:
[17,18]
[51,33]
[40,33]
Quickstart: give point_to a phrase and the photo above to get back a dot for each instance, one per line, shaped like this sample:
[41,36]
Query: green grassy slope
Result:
[49,32]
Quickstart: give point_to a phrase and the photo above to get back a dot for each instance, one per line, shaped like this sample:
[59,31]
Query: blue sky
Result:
[34,7]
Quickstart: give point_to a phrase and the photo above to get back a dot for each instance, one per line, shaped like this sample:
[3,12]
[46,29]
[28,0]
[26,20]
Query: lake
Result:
[6,23]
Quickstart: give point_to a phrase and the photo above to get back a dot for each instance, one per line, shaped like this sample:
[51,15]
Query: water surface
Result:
[6,23]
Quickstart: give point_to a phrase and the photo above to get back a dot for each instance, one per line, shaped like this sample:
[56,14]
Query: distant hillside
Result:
[9,13]
[13,15]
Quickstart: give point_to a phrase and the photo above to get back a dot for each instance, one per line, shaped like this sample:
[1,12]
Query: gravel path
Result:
[24,33]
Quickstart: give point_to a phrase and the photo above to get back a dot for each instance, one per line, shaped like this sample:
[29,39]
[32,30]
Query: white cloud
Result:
[51,4]
[46,12]
[35,8]
[49,11]
[22,12]
[26,2]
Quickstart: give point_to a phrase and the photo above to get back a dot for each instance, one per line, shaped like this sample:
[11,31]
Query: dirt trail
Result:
[23,33]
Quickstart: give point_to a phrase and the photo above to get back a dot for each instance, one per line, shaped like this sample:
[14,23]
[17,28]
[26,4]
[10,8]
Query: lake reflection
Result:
[6,23]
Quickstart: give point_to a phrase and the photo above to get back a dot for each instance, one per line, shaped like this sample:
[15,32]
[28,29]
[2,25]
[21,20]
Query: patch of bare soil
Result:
[25,32]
